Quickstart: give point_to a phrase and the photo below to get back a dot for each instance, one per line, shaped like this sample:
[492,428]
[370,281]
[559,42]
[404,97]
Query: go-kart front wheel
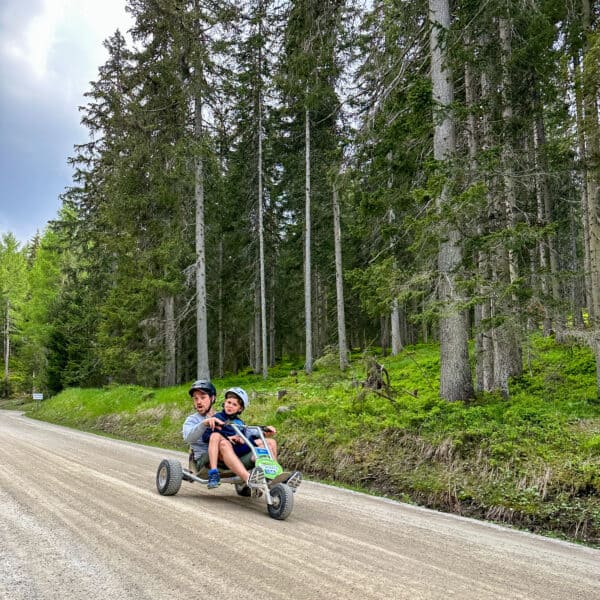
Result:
[283,501]
[169,477]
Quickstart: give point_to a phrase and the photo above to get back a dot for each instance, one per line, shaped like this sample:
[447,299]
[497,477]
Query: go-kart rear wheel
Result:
[243,490]
[169,477]
[283,501]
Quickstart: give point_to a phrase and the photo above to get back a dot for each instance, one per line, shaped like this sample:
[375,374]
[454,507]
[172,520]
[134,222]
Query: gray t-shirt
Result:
[193,428]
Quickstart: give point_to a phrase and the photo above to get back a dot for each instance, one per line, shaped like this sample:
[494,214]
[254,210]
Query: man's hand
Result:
[214,423]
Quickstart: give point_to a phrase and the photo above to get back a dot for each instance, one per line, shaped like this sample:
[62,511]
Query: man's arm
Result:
[193,430]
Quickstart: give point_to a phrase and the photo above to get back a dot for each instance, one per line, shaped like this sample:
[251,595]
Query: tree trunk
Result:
[395,324]
[483,346]
[202,363]
[272,321]
[307,253]
[320,313]
[455,376]
[551,237]
[339,281]
[6,348]
[261,240]
[577,82]
[510,196]
[541,196]
[221,332]
[256,365]
[202,368]
[577,282]
[507,351]
[548,254]
[170,378]
[251,344]
[384,334]
[502,363]
[261,230]
[395,312]
[592,155]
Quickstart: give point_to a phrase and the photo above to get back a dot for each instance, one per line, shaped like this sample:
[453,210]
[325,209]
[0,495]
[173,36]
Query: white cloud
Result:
[58,46]
[40,36]
[49,52]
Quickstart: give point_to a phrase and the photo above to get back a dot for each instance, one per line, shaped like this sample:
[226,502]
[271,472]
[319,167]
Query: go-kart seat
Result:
[203,472]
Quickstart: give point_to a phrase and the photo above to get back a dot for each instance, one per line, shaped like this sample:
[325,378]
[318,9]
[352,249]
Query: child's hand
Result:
[269,430]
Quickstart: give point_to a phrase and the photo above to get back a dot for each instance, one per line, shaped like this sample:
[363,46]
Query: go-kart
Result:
[267,479]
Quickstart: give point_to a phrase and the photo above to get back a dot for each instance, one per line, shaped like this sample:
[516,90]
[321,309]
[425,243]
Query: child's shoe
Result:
[214,479]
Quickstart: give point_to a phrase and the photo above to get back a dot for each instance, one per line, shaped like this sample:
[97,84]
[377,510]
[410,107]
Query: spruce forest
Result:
[278,180]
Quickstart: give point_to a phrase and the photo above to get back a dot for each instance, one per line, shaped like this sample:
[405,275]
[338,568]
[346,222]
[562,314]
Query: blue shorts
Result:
[241,449]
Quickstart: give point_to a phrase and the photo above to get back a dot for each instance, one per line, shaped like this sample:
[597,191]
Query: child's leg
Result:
[229,457]
[213,449]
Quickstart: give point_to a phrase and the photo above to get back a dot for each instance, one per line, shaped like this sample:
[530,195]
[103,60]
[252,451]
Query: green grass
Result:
[531,461]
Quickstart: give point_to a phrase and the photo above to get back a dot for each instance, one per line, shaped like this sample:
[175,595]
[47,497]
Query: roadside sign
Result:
[37,396]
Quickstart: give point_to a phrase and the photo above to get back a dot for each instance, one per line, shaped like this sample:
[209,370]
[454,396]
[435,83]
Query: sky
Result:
[50,50]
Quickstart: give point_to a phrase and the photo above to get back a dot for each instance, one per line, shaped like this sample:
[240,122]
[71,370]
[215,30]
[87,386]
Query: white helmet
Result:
[240,393]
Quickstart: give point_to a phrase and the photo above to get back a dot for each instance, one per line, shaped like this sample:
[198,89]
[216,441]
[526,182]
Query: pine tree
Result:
[37,327]
[13,291]
[392,147]
[306,77]
[455,376]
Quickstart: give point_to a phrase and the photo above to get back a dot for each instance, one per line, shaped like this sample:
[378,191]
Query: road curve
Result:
[80,518]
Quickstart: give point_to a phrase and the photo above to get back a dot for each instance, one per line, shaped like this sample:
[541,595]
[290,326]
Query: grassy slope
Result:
[532,461]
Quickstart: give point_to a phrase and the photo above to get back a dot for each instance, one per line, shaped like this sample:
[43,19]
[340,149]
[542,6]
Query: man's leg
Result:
[272,446]
[229,457]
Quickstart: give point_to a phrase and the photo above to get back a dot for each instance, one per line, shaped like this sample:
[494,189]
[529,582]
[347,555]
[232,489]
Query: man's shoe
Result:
[294,480]
[214,479]
[256,478]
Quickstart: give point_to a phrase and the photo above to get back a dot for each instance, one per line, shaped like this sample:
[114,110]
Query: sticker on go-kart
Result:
[270,467]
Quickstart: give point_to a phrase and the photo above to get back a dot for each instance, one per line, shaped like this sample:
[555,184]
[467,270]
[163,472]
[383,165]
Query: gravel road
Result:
[80,518]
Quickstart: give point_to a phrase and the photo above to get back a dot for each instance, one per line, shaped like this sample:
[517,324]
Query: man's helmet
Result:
[240,393]
[205,385]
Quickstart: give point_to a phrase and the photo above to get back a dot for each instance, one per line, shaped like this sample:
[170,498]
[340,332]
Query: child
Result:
[236,400]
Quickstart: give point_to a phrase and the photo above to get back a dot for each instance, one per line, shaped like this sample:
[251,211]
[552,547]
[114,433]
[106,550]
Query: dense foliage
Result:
[217,137]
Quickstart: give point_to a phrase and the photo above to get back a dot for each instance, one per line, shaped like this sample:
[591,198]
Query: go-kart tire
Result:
[283,501]
[243,490]
[169,477]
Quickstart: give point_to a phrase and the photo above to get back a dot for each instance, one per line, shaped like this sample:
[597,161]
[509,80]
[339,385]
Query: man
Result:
[203,394]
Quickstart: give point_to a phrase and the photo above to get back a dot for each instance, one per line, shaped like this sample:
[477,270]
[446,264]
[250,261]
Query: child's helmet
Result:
[205,385]
[240,393]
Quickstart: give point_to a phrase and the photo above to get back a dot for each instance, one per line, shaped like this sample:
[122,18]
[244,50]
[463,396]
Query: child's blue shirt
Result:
[227,431]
